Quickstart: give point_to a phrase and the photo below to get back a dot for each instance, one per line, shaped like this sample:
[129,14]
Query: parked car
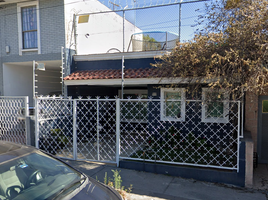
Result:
[28,173]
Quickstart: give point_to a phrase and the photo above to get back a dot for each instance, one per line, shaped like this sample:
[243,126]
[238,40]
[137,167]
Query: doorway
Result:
[263,129]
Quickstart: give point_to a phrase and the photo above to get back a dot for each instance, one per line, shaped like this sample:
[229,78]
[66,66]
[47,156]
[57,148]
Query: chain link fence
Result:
[186,137]
[13,112]
[175,132]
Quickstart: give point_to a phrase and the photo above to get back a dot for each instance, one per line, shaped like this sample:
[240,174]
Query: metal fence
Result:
[176,132]
[13,112]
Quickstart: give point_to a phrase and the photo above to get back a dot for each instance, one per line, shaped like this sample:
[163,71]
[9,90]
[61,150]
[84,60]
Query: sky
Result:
[162,18]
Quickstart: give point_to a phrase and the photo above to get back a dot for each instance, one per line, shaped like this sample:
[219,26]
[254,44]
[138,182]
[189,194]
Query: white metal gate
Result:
[13,112]
[77,129]
[140,129]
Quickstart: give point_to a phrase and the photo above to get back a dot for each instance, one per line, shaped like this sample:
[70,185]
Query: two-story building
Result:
[37,39]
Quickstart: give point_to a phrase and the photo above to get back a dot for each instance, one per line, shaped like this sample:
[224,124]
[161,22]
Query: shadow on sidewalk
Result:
[260,177]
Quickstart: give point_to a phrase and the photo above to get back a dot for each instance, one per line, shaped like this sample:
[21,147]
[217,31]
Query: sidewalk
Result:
[149,186]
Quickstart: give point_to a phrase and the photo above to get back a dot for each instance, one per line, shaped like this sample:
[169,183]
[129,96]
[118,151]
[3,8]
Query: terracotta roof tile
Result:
[113,74]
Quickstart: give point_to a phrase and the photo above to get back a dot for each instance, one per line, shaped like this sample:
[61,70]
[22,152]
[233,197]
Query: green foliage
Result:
[117,179]
[230,53]
[116,183]
[148,38]
[63,139]
[105,179]
[190,137]
[151,141]
[149,43]
[55,132]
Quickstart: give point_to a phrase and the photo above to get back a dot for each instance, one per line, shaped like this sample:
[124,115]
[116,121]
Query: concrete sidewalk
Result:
[149,186]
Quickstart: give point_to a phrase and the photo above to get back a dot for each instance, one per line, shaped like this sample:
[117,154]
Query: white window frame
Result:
[163,116]
[224,119]
[134,91]
[19,7]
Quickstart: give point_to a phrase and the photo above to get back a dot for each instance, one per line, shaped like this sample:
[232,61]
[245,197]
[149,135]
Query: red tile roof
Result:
[113,74]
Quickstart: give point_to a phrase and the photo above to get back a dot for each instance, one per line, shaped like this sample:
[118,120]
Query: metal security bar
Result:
[153,130]
[96,130]
[77,129]
[13,112]
[54,126]
[203,137]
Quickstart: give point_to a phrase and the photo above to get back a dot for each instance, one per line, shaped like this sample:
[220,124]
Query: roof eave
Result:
[127,82]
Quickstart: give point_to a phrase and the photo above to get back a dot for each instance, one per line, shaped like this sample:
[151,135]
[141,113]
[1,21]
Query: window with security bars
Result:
[215,110]
[172,104]
[134,111]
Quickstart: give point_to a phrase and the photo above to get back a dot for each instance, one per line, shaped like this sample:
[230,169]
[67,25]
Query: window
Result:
[134,111]
[172,104]
[28,25]
[265,106]
[215,111]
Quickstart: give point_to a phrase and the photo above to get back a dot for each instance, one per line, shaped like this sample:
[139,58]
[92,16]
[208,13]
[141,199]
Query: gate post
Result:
[74,129]
[27,121]
[98,130]
[117,151]
[36,123]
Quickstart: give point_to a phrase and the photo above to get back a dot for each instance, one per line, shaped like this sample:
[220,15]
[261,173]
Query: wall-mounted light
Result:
[7,49]
[39,66]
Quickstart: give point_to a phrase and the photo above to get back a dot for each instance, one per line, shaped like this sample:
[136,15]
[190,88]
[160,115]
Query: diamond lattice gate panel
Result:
[96,130]
[180,132]
[83,129]
[13,112]
[54,126]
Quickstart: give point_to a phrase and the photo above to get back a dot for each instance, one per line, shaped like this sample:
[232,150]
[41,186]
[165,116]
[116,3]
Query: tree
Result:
[230,53]
[149,43]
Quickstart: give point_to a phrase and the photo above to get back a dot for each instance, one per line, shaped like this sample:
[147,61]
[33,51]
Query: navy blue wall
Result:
[112,64]
[203,174]
[94,91]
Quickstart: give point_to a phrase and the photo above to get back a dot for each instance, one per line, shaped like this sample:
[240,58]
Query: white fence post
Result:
[98,130]
[74,129]
[36,123]
[117,151]
[27,121]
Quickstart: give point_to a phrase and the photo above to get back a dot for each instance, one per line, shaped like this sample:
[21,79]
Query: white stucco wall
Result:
[101,33]
[18,81]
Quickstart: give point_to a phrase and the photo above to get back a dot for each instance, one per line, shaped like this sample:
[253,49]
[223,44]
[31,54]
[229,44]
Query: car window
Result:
[36,176]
